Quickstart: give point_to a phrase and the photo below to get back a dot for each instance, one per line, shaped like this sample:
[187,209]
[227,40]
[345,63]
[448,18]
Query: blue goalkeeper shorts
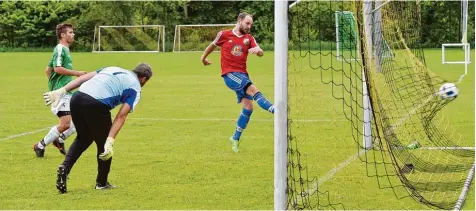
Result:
[238,82]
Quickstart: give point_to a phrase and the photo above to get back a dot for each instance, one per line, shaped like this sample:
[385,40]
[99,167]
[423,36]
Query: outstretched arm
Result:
[54,96]
[207,52]
[218,41]
[57,65]
[256,50]
[64,71]
[78,81]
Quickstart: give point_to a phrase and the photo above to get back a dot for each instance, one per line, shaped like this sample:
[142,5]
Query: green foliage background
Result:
[29,25]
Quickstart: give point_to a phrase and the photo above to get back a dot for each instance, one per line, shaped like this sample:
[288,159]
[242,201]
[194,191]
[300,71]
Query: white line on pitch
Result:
[332,172]
[24,134]
[406,117]
[447,148]
[224,119]
[433,148]
[342,165]
[180,119]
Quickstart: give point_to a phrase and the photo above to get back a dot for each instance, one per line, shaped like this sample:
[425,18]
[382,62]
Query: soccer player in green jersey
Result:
[60,72]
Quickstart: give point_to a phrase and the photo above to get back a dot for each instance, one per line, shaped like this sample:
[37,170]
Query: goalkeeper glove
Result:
[108,152]
[53,97]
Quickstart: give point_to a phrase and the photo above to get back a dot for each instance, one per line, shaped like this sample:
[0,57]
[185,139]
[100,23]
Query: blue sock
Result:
[263,102]
[242,122]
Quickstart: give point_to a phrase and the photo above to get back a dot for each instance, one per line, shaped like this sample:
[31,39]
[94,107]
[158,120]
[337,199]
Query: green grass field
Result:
[173,152]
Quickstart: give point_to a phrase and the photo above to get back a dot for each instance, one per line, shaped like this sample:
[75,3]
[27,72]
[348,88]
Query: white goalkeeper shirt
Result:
[113,86]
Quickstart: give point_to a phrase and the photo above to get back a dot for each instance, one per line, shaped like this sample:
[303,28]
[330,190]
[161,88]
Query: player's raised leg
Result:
[260,98]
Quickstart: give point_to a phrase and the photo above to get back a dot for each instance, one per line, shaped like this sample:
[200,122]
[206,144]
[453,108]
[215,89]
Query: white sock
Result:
[63,136]
[50,137]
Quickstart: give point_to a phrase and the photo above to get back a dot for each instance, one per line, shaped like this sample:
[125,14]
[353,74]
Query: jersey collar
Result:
[233,30]
[63,46]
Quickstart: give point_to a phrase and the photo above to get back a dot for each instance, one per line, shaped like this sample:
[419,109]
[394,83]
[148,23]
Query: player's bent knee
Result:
[251,89]
[65,122]
[63,127]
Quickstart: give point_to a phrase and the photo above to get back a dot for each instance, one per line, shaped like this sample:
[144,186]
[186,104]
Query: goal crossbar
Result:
[179,40]
[160,35]
[131,26]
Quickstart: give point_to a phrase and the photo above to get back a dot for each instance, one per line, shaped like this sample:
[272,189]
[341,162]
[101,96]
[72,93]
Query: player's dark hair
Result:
[143,70]
[61,28]
[243,15]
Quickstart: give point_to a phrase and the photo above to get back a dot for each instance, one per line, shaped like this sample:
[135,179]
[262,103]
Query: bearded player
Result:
[235,45]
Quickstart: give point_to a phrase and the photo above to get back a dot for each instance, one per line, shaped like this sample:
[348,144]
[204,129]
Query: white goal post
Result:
[347,38]
[196,37]
[126,39]
[464,42]
[346,34]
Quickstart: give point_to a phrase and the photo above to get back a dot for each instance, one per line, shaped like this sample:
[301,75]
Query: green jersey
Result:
[61,58]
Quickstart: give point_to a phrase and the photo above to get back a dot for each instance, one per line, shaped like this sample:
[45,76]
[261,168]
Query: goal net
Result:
[137,38]
[344,66]
[194,38]
[346,37]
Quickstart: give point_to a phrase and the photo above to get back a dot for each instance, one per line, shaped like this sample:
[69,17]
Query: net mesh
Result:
[326,112]
[129,39]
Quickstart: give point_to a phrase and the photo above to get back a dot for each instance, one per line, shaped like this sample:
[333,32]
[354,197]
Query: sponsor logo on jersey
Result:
[237,50]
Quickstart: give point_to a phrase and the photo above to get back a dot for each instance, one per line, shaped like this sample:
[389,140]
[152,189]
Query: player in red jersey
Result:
[235,45]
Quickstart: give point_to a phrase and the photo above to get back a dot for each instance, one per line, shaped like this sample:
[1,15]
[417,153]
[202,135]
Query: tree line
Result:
[31,24]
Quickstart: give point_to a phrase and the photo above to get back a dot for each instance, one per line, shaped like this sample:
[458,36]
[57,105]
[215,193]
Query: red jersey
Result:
[234,50]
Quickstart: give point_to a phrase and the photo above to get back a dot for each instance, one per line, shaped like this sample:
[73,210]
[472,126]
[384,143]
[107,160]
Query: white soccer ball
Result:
[448,91]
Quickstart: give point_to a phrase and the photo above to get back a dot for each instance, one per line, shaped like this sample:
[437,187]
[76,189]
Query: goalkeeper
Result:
[98,93]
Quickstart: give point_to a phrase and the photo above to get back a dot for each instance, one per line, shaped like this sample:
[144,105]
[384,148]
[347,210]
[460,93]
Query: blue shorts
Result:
[238,82]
